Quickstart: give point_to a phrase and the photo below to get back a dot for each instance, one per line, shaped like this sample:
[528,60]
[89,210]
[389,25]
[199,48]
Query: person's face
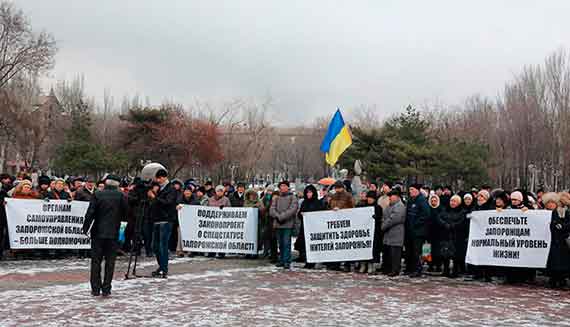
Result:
[516,202]
[499,203]
[208,187]
[155,189]
[220,193]
[283,188]
[26,188]
[101,186]
[6,181]
[414,192]
[468,201]
[481,199]
[77,184]
[385,188]
[373,187]
[447,191]
[241,189]
[187,193]
[160,180]
[370,200]
[363,195]
[439,192]
[177,187]
[394,198]
[44,187]
[310,194]
[199,194]
[59,186]
[339,189]
[539,195]
[433,201]
[551,205]
[89,185]
[454,203]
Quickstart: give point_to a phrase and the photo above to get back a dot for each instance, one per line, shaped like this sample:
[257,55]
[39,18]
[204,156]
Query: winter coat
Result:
[434,229]
[55,195]
[452,222]
[106,211]
[218,202]
[164,205]
[559,255]
[417,214]
[284,210]
[84,194]
[308,205]
[341,200]
[29,196]
[255,202]
[393,222]
[236,200]
[188,201]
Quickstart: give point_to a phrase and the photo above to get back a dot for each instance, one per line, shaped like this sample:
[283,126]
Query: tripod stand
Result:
[137,241]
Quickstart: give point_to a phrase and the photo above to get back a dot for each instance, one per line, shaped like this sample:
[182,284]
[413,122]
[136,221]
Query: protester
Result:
[251,200]
[164,216]
[102,221]
[341,199]
[85,192]
[284,210]
[417,213]
[24,190]
[58,191]
[452,222]
[269,234]
[221,201]
[558,265]
[43,186]
[393,227]
[237,198]
[434,233]
[370,266]
[310,203]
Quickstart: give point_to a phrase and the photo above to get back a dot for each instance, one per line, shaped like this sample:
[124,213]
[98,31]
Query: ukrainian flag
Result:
[337,139]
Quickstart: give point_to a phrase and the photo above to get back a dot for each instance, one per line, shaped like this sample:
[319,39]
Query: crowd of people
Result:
[406,219]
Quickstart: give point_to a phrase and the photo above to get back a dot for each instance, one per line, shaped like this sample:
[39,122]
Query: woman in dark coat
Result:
[558,266]
[452,221]
[483,202]
[372,201]
[310,203]
[434,233]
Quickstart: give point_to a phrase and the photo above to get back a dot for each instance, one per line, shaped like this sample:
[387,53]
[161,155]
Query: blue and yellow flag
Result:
[337,139]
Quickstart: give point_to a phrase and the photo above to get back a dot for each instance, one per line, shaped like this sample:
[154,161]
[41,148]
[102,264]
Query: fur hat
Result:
[551,197]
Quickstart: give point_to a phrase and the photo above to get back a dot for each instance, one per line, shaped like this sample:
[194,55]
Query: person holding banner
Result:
[24,190]
[284,210]
[393,227]
[58,192]
[341,199]
[310,203]
[221,201]
[558,265]
[103,220]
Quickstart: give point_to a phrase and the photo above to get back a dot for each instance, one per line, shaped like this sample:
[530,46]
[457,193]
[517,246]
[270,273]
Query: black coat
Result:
[106,211]
[236,200]
[417,214]
[433,227]
[55,195]
[559,255]
[452,223]
[307,205]
[164,205]
[83,194]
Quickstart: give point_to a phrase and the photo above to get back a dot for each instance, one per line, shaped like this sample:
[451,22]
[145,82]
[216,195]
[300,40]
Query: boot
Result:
[363,268]
[372,268]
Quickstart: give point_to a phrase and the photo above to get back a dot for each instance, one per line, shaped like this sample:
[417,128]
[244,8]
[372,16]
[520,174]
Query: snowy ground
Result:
[239,292]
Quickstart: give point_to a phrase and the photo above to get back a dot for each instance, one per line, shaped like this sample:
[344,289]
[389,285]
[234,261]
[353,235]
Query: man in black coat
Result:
[106,211]
[417,214]
[165,214]
[237,198]
[85,192]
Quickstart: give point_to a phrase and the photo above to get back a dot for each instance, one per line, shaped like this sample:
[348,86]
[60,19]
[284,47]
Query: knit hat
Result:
[44,180]
[468,195]
[220,188]
[484,193]
[516,195]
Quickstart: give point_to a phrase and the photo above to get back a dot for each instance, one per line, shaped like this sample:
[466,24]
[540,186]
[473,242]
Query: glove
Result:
[558,226]
[69,200]
[46,200]
[221,207]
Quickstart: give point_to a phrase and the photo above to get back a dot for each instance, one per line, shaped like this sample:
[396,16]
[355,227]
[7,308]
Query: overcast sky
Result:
[310,56]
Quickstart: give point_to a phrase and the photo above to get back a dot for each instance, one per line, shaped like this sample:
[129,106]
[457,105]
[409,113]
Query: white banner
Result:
[510,238]
[343,235]
[211,229]
[37,224]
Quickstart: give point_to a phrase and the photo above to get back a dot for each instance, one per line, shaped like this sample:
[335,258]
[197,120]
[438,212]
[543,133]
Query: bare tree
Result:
[21,49]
